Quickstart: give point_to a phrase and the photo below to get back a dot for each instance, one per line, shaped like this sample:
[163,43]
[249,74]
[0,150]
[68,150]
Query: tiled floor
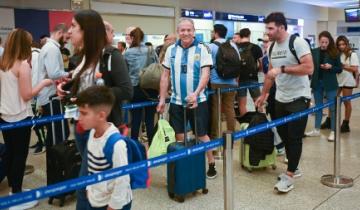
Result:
[252,190]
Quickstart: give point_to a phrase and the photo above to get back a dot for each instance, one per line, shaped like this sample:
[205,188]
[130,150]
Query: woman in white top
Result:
[347,79]
[16,95]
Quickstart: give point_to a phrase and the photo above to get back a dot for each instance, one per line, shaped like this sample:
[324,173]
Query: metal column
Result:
[228,171]
[336,180]
[219,151]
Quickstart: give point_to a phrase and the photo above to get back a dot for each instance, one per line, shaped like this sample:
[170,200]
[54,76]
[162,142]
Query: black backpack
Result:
[291,47]
[248,64]
[227,61]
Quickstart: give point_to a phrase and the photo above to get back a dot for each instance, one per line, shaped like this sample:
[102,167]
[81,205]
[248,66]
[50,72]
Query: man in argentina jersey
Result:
[187,63]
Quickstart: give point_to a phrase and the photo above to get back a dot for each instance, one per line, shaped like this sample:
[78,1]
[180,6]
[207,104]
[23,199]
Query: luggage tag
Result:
[71,111]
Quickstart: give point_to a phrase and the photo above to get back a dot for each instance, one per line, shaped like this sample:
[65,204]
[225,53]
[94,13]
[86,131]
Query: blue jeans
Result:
[137,114]
[319,97]
[81,144]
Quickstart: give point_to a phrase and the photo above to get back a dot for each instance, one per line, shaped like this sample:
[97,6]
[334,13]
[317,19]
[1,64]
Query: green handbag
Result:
[164,136]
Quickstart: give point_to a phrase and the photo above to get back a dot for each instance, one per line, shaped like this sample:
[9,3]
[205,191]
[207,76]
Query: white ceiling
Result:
[331,3]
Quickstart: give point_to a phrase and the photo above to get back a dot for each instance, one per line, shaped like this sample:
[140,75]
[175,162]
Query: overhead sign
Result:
[200,14]
[239,17]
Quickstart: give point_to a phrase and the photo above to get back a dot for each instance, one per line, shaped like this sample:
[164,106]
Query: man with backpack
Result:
[250,55]
[293,91]
[227,99]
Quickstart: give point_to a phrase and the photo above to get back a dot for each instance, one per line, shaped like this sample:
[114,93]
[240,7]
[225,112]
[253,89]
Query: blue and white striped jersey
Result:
[185,66]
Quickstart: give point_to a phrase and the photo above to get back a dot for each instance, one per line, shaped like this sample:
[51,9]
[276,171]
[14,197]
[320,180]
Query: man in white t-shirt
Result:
[292,91]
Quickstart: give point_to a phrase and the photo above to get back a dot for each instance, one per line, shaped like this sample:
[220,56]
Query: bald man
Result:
[168,40]
[109,32]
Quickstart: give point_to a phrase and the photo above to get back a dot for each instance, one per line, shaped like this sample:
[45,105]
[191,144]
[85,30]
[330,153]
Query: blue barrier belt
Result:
[38,121]
[82,182]
[209,92]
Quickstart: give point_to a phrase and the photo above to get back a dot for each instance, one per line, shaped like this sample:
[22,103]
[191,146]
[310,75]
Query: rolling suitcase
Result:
[186,175]
[63,159]
[270,159]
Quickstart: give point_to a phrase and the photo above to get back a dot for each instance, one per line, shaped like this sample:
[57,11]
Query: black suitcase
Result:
[186,175]
[63,159]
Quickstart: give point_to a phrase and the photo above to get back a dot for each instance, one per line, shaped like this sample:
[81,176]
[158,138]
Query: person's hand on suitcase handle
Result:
[260,103]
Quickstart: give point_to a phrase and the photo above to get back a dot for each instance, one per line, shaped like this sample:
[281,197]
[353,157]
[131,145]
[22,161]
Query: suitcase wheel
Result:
[205,191]
[50,200]
[171,195]
[181,199]
[273,167]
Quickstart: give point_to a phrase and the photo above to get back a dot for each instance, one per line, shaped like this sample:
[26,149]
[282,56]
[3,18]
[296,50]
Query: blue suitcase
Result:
[186,175]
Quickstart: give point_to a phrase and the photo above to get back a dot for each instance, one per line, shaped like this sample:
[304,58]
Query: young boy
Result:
[95,104]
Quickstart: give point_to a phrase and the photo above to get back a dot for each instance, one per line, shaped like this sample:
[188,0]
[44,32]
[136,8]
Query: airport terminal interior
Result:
[322,152]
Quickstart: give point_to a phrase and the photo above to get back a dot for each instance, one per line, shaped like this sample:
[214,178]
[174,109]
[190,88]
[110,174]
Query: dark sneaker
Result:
[211,173]
[326,124]
[39,149]
[29,169]
[345,127]
[34,145]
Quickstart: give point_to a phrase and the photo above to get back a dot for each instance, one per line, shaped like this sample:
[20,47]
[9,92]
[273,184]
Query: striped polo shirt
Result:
[185,66]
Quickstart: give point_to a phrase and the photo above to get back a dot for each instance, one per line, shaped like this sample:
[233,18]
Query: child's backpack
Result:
[136,152]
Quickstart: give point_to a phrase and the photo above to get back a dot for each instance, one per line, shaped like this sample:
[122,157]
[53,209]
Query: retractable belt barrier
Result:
[84,181]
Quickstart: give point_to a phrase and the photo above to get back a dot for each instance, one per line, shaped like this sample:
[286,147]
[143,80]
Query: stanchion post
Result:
[336,180]
[219,152]
[228,171]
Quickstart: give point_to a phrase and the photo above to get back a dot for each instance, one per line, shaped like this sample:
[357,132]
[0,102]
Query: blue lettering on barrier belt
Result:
[38,121]
[209,92]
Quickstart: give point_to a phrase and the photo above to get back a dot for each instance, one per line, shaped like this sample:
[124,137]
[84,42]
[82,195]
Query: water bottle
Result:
[98,79]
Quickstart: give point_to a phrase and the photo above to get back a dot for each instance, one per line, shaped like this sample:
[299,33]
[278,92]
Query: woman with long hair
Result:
[87,34]
[324,83]
[137,57]
[16,95]
[347,79]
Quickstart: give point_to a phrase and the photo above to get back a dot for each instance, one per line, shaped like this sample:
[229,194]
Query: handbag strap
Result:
[148,57]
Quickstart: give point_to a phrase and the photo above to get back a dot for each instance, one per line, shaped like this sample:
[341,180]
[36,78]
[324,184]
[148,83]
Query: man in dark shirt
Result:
[252,77]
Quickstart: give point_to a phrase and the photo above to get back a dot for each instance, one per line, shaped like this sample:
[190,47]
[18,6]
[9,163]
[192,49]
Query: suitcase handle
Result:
[185,125]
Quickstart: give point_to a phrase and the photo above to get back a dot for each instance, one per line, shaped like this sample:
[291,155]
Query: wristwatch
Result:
[282,69]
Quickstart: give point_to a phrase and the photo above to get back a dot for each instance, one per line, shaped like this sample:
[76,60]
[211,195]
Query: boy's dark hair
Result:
[96,96]
[238,34]
[245,32]
[221,30]
[278,18]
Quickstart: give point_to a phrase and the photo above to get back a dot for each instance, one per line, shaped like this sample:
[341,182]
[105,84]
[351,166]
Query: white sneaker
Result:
[313,133]
[331,136]
[285,184]
[24,206]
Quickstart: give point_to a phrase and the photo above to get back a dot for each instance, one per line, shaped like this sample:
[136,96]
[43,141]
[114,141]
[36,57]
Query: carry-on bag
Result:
[63,158]
[186,175]
[250,157]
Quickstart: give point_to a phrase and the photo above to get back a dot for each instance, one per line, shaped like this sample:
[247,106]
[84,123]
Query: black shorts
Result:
[176,113]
